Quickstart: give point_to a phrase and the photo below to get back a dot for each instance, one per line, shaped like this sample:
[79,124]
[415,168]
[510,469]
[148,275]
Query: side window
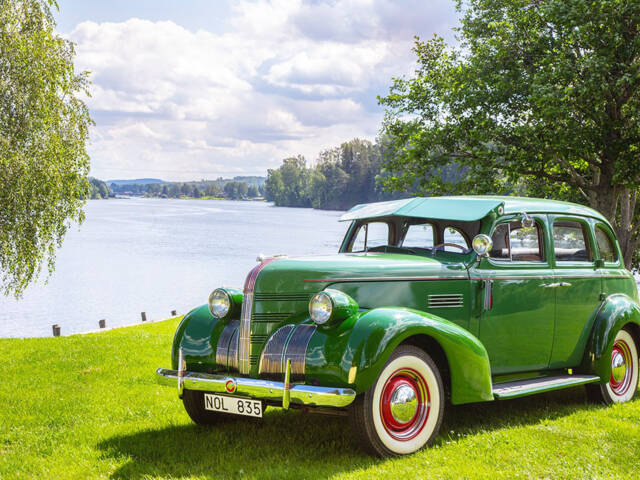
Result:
[513,241]
[606,247]
[419,236]
[371,235]
[525,243]
[455,236]
[569,241]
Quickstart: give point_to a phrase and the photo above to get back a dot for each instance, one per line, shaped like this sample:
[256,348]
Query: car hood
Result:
[314,273]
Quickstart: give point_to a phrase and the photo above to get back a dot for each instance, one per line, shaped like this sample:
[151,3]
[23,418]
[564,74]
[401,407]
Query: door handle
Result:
[555,285]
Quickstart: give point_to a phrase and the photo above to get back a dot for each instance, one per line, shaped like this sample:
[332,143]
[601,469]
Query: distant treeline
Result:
[98,189]
[341,178]
[236,189]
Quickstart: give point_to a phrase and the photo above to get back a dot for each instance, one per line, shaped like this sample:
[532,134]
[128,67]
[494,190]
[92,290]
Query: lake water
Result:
[154,255]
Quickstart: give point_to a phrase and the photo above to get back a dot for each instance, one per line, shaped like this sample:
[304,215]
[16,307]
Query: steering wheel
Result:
[446,244]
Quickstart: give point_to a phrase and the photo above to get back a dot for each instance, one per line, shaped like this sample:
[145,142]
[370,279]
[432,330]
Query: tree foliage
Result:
[43,131]
[341,178]
[541,95]
[98,189]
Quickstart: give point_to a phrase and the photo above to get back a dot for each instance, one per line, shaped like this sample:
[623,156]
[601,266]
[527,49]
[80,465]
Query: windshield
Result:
[413,237]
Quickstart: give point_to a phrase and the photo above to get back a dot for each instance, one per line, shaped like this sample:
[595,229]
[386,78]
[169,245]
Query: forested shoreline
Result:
[238,188]
[340,178]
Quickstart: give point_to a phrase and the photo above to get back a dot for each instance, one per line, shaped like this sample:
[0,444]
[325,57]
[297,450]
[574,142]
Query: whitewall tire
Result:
[403,410]
[623,382]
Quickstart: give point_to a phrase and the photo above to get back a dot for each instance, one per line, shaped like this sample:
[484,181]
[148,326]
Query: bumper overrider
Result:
[285,392]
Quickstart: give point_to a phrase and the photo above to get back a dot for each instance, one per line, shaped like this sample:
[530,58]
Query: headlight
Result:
[320,308]
[331,306]
[219,303]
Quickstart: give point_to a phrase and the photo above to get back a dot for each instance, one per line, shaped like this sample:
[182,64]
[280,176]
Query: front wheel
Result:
[403,410]
[623,384]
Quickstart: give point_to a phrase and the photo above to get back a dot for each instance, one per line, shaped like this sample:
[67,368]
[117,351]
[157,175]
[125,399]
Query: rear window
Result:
[606,247]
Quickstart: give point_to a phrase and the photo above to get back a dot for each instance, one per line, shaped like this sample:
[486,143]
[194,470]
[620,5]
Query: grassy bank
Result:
[86,407]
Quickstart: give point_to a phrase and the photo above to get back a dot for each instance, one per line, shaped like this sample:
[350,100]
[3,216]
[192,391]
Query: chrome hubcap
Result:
[618,366]
[404,404]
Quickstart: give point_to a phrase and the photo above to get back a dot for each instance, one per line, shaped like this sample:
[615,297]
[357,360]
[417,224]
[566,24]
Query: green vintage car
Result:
[430,301]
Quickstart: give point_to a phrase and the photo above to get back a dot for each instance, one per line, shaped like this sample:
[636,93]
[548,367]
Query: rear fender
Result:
[616,312]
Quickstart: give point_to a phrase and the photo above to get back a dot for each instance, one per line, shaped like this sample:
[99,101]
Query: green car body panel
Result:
[486,321]
[376,333]
[618,311]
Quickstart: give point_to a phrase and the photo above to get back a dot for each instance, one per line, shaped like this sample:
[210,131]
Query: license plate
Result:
[235,405]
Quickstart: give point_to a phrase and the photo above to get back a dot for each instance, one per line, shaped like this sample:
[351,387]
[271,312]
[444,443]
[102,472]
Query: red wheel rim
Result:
[407,428]
[621,352]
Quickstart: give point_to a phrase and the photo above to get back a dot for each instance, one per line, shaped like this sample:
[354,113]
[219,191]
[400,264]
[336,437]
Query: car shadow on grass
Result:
[294,445]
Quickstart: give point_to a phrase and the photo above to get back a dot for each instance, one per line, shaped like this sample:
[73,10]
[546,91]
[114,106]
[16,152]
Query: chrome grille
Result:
[227,344]
[287,343]
[244,337]
[453,300]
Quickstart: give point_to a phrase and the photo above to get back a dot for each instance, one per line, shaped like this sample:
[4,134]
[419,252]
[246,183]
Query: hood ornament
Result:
[262,257]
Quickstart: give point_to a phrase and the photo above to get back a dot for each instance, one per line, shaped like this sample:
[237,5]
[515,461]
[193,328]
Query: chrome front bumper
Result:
[259,389]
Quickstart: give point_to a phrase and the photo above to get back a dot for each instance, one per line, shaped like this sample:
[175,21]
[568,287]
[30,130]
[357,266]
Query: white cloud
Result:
[288,77]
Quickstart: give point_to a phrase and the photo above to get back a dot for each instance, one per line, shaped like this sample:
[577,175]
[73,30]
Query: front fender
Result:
[617,311]
[198,335]
[374,335]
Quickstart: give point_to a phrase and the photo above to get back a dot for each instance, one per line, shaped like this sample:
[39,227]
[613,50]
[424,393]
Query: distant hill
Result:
[138,181]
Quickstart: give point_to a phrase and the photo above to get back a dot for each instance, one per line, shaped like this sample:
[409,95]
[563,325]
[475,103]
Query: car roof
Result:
[465,208]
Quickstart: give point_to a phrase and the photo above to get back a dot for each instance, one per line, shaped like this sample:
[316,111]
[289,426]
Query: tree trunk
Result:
[619,206]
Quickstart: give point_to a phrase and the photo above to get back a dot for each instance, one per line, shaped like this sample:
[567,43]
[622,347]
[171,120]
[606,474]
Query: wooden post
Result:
[56,330]
[144,316]
[173,313]
[102,323]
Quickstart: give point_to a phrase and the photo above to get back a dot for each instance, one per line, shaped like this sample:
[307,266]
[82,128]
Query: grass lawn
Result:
[86,406]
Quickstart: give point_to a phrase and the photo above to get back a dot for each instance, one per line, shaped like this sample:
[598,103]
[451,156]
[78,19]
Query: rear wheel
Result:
[623,383]
[193,402]
[403,410]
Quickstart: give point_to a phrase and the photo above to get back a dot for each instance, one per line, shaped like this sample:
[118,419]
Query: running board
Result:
[520,388]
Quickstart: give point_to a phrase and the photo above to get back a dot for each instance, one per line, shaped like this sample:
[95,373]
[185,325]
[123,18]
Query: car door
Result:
[517,320]
[578,287]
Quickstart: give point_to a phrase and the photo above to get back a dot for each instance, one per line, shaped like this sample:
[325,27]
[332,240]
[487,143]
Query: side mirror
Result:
[599,263]
[482,245]
[527,220]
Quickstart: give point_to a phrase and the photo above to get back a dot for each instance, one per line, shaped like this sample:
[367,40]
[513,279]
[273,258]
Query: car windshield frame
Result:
[398,228]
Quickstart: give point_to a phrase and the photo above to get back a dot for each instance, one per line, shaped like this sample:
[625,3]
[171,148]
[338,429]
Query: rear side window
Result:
[570,242]
[515,242]
[607,250]
[373,234]
[419,236]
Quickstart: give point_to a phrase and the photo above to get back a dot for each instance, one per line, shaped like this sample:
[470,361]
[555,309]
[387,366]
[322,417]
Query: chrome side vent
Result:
[283,297]
[270,317]
[453,300]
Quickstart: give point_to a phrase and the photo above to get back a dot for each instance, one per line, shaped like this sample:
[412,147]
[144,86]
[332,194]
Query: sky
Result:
[194,89]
